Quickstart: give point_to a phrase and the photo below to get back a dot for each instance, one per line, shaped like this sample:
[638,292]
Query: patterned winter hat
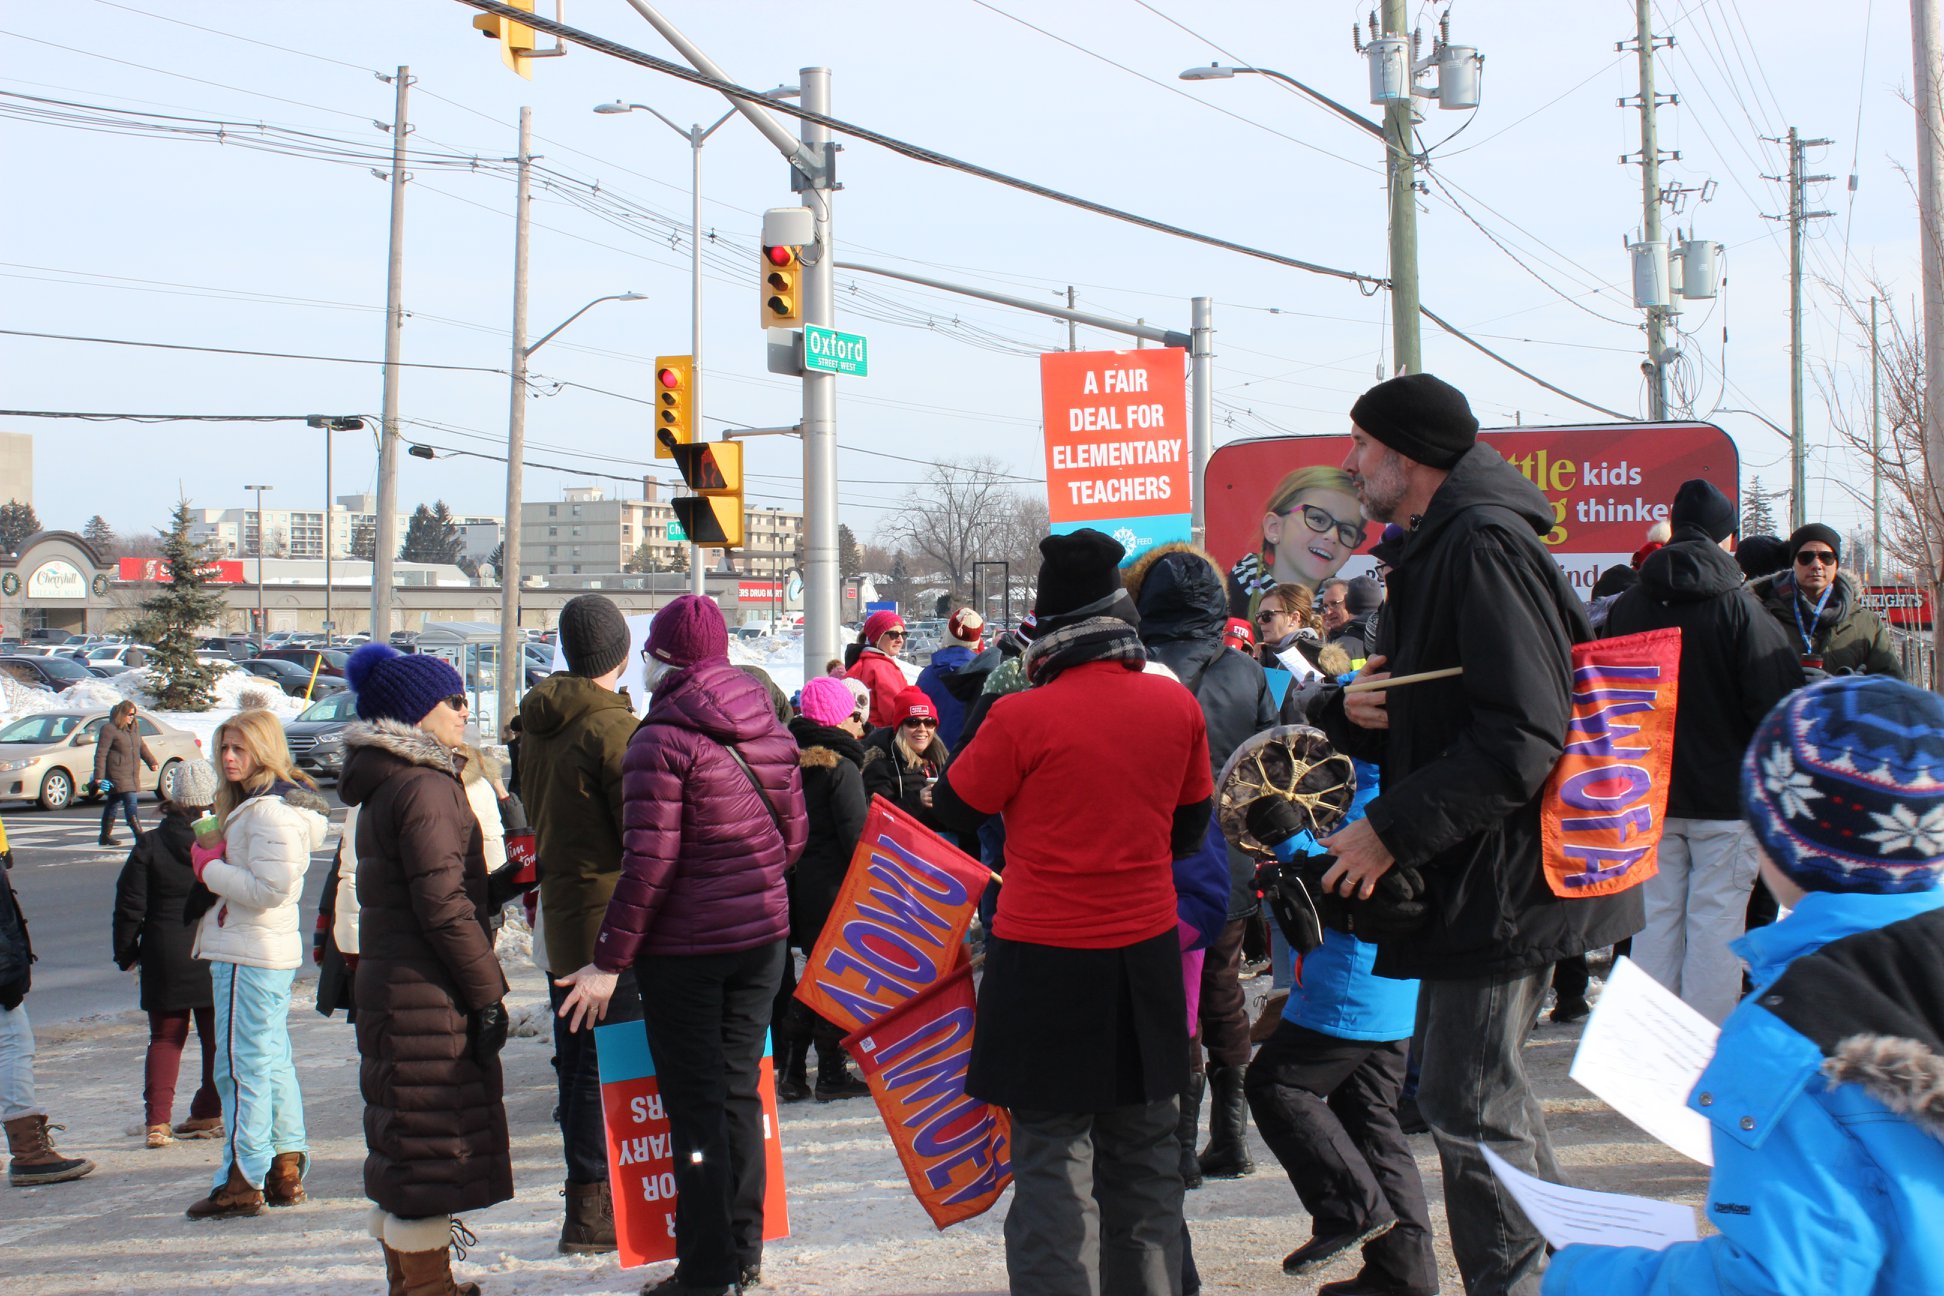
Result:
[192,784]
[1844,786]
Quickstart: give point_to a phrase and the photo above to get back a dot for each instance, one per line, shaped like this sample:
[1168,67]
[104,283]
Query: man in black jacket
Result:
[1463,762]
[1736,663]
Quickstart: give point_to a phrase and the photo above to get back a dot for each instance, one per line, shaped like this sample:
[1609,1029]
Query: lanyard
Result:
[1795,604]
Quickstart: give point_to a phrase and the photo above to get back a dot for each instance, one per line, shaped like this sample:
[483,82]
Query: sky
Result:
[206,180]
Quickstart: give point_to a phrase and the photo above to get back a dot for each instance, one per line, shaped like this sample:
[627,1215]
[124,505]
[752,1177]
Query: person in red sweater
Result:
[1082,1019]
[877,666]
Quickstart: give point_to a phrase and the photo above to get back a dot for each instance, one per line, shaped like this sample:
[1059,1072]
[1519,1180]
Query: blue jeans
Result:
[16,1063]
[263,1111]
[124,800]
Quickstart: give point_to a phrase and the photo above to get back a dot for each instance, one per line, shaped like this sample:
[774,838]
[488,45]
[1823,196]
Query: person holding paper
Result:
[1826,1092]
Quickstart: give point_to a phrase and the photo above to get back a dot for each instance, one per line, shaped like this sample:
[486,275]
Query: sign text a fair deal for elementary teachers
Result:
[1117,443]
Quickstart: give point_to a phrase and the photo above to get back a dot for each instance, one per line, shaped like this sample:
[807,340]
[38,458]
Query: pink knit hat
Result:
[826,701]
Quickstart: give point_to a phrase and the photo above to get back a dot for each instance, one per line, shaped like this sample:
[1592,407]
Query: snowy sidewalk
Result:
[856,1229]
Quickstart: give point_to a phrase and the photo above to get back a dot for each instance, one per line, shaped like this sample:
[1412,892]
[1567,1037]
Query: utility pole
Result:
[1073,326]
[512,655]
[698,578]
[821,614]
[262,629]
[1927,49]
[1798,216]
[1650,203]
[1401,166]
[386,523]
[1876,455]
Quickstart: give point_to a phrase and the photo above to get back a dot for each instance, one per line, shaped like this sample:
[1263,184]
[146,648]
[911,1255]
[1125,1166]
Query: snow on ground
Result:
[855,1228]
[783,659]
[234,691]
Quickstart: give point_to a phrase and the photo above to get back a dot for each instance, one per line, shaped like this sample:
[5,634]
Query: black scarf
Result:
[1091,640]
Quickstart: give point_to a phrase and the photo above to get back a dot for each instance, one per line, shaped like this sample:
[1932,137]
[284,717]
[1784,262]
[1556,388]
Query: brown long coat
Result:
[435,1122]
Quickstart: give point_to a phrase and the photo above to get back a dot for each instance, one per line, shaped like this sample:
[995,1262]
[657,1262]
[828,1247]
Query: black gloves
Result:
[1273,821]
[502,889]
[486,1032]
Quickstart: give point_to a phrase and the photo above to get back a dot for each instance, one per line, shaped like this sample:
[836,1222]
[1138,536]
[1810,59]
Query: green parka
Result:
[1847,636]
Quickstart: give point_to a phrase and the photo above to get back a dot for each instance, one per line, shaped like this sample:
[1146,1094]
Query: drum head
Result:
[1294,762]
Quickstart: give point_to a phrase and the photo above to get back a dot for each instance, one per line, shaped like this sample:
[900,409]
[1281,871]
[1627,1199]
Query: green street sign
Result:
[828,351]
[675,531]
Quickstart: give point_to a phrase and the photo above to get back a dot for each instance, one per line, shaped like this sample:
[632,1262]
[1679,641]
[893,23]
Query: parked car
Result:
[316,736]
[127,654]
[108,670]
[333,658]
[45,635]
[49,756]
[291,677]
[53,672]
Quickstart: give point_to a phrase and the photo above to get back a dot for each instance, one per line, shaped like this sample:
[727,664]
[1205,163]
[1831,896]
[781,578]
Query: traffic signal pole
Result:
[512,651]
[822,616]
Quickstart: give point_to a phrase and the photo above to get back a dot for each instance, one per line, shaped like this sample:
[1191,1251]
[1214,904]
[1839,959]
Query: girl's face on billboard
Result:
[1315,535]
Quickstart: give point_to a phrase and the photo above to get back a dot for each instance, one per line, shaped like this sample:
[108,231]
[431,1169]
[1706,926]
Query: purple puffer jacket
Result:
[701,862]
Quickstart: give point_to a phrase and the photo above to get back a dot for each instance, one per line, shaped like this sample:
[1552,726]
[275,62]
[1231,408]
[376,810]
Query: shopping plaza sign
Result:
[1117,444]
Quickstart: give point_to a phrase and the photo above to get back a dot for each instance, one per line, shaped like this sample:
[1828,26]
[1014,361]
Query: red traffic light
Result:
[670,378]
[780,256]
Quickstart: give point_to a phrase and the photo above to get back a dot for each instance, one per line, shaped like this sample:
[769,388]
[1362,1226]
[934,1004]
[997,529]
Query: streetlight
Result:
[515,488]
[696,136]
[327,424]
[259,571]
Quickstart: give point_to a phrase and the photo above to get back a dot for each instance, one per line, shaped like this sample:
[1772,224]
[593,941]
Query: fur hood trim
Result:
[407,742]
[1902,1074]
[818,758]
[1136,574]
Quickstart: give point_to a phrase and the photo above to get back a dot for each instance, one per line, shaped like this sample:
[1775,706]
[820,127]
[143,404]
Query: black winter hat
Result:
[1077,569]
[1802,535]
[1761,555]
[1699,503]
[1421,417]
[1617,579]
[1362,595]
[593,635]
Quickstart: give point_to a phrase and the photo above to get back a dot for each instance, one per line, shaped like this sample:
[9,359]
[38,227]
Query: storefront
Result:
[56,582]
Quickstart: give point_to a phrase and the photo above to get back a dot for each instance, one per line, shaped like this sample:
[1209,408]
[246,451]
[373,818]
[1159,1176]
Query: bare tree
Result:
[965,511]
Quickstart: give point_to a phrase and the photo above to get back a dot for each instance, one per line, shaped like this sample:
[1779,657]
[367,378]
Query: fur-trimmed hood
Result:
[1179,592]
[374,749]
[1905,1075]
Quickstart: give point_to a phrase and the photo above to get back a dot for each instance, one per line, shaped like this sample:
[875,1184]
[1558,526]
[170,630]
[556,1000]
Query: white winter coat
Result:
[268,842]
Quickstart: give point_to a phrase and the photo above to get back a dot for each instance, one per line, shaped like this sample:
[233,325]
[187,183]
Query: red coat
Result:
[701,862]
[879,672]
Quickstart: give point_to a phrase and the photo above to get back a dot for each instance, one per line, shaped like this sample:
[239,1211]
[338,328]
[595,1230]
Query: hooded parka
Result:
[1848,637]
[1464,759]
[835,805]
[435,1122]
[150,896]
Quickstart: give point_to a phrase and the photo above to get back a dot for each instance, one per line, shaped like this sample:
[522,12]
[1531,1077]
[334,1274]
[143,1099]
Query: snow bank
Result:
[234,691]
[783,659]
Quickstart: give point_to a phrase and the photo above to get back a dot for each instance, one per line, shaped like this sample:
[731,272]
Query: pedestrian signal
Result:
[674,403]
[713,517]
[781,294]
[515,39]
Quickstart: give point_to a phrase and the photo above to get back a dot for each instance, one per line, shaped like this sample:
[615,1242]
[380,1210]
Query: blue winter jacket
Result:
[931,681]
[1334,991]
[1827,1097]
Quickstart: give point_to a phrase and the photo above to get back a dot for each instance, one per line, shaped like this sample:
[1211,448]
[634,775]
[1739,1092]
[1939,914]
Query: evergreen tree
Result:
[101,536]
[496,558]
[431,536]
[175,619]
[849,560]
[364,541]
[17,522]
[1757,517]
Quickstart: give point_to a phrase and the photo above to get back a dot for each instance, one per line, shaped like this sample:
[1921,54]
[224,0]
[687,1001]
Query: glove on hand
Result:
[1273,821]
[200,857]
[486,1032]
[502,889]
[104,785]
[1396,908]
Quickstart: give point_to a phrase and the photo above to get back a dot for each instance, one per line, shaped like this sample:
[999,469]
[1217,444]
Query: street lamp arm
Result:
[1355,118]
[550,333]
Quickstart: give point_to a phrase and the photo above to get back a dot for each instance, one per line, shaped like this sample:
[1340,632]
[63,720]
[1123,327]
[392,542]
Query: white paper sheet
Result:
[1298,665]
[1568,1216]
[1642,1052]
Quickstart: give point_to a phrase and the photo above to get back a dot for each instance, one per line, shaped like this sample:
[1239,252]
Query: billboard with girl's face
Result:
[1283,509]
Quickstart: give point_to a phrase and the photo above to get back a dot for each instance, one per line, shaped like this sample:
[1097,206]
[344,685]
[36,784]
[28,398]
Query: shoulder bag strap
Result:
[758,785]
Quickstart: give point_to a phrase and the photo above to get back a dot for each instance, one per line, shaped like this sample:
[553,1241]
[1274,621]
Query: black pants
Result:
[1327,1107]
[707,1015]
[1224,1013]
[583,1128]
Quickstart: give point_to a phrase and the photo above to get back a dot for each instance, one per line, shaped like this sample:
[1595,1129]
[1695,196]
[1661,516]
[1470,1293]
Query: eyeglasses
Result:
[1321,521]
[921,724]
[1270,614]
[1821,557]
[1333,605]
[457,702]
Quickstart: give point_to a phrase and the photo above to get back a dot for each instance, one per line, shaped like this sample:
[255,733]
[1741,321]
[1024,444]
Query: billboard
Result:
[1116,427]
[1905,606]
[156,570]
[1282,509]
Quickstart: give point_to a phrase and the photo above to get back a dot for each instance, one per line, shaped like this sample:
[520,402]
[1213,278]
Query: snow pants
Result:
[1696,905]
[263,1111]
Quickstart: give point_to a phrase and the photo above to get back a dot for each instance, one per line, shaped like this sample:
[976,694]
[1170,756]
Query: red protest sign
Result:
[1606,801]
[898,925]
[641,1160]
[1117,443]
[956,1149]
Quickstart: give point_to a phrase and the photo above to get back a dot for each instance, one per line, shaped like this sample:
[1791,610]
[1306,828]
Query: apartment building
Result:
[584,531]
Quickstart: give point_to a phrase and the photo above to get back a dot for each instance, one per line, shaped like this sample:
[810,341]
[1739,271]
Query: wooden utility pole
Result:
[1927,48]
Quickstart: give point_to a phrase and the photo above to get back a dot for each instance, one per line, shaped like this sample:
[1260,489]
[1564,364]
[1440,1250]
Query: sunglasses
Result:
[1821,557]
[457,702]
[892,634]
[921,724]
[1270,614]
[1321,521]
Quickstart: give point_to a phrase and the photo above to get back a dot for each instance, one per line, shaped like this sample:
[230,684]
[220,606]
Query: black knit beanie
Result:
[1802,535]
[1701,505]
[593,635]
[1423,418]
[1077,569]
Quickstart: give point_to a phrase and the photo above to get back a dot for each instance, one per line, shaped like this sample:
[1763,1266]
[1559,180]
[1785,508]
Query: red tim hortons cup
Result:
[520,849]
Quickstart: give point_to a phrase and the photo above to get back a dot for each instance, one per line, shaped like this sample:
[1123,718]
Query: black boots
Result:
[1227,1153]
[792,1071]
[1188,1128]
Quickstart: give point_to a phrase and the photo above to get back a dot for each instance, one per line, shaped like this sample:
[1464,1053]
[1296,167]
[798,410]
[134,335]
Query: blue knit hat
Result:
[1844,786]
[393,686]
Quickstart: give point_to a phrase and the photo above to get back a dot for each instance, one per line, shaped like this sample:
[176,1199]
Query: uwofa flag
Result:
[898,924]
[956,1149]
[1606,801]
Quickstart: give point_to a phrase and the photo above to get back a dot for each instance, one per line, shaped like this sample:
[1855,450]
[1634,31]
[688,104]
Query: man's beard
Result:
[1381,492]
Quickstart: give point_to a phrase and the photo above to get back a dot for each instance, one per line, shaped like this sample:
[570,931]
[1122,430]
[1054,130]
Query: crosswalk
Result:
[58,839]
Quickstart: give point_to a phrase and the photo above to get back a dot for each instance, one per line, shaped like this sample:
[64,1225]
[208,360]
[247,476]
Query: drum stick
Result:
[1372,685]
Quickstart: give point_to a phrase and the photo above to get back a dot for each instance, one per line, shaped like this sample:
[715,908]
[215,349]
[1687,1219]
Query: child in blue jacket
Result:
[1323,1090]
[1826,1091]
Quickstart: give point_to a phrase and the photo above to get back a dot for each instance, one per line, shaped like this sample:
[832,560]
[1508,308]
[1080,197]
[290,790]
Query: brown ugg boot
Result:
[284,1184]
[236,1199]
[33,1158]
[394,1272]
[429,1273]
[589,1227]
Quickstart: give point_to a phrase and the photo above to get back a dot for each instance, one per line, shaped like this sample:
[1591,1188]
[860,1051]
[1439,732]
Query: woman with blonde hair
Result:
[270,823]
[1311,525]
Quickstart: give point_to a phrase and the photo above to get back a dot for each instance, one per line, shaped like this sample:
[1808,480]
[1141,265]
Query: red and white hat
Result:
[913,704]
[966,626]
[1239,634]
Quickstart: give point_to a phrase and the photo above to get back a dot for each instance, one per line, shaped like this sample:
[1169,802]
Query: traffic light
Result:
[674,403]
[515,39]
[781,293]
[713,517]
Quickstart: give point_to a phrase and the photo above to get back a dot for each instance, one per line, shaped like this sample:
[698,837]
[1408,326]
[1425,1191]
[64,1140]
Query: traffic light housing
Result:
[713,516]
[674,403]
[781,294]
[515,39]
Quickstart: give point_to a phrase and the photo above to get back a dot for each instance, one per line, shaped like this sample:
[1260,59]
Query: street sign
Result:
[828,351]
[675,531]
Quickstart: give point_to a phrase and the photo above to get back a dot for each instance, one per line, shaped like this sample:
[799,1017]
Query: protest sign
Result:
[1117,444]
